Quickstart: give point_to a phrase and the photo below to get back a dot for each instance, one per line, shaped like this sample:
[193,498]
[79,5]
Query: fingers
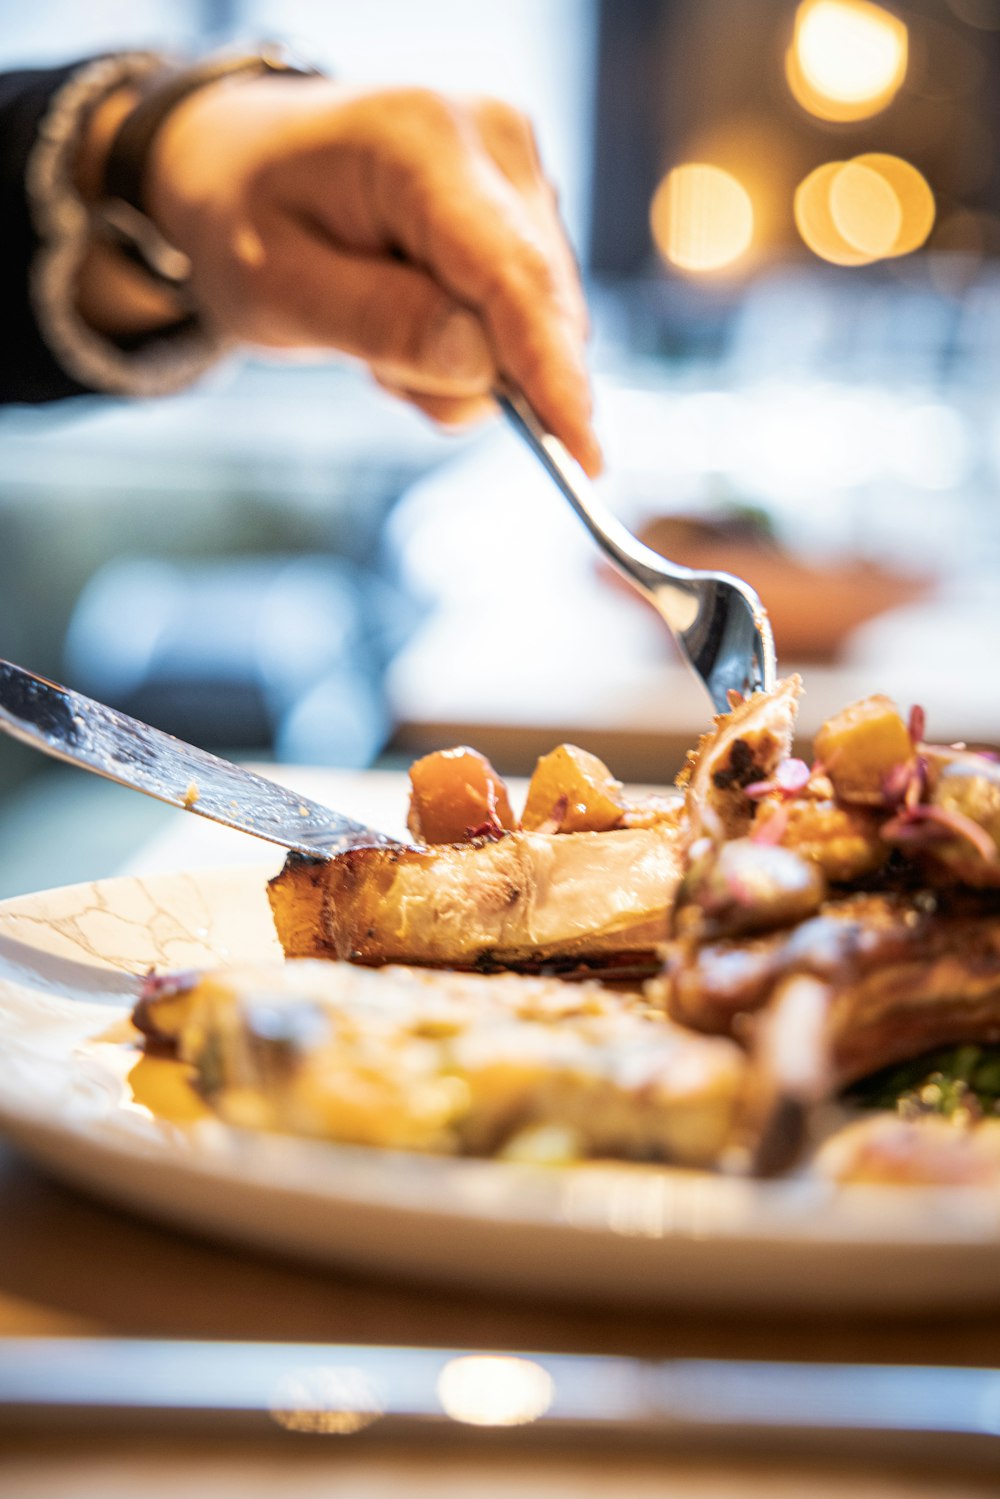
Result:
[459,190]
[306,292]
[506,268]
[414,232]
[510,139]
[448,411]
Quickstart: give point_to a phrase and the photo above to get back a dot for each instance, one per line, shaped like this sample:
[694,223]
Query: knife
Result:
[343,1389]
[77,729]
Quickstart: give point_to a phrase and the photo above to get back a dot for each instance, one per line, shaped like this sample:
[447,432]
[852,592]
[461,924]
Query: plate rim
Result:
[670,1205]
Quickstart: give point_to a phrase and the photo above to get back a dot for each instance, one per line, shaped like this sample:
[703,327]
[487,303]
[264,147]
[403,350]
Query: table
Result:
[73,1267]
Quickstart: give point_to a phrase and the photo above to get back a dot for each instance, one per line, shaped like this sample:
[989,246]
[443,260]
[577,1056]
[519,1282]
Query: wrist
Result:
[113,296]
[139,195]
[107,326]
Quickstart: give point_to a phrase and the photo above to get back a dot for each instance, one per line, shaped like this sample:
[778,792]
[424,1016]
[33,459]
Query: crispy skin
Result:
[745,746]
[530,899]
[526,900]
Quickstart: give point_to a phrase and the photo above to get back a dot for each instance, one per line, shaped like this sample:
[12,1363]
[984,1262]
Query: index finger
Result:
[501,251]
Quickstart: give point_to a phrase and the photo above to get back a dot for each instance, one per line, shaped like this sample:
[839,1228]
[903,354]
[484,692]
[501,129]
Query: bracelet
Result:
[167,360]
[122,213]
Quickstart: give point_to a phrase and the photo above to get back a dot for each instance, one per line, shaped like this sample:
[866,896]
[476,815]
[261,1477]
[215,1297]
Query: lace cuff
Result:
[164,362]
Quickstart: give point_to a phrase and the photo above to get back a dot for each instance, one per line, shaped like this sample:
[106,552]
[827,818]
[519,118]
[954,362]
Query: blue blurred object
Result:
[283,654]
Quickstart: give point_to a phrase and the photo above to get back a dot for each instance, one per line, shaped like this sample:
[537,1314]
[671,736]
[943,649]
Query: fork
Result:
[718,622]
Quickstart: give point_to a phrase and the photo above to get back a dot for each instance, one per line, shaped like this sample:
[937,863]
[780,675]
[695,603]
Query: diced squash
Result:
[456,794]
[572,791]
[860,746]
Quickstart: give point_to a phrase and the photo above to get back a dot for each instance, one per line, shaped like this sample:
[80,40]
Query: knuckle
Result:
[501,115]
[531,271]
[433,114]
[509,132]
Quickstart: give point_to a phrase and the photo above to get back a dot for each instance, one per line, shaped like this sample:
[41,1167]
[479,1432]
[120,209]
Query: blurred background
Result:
[788,216]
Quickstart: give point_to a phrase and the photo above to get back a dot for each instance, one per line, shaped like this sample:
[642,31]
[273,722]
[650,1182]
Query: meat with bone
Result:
[855,926]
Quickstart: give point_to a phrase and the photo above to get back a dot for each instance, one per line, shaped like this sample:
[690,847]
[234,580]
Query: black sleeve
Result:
[28,371]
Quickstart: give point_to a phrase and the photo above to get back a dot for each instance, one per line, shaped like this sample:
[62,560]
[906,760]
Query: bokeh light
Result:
[494,1390]
[871,208]
[848,58]
[701,217]
[913,194]
[814,219]
[327,1400]
[865,209]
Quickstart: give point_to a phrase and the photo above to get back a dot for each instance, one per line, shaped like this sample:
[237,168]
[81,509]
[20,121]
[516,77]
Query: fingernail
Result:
[457,350]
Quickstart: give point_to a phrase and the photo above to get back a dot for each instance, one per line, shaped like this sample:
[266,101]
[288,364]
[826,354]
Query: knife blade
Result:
[341,1389]
[83,732]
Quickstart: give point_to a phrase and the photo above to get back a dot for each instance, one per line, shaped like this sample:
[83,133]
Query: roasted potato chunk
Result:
[860,746]
[572,791]
[456,795]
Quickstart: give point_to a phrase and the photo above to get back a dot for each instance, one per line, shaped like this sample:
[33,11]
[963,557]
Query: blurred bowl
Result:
[813,608]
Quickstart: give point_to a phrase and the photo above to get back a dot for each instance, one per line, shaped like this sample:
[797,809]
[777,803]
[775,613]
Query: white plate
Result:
[68,960]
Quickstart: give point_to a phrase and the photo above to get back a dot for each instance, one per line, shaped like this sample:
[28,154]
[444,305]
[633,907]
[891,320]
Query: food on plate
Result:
[747,747]
[847,919]
[522,1067]
[800,927]
[456,794]
[572,791]
[585,881]
[860,747]
[886,1150]
[566,901]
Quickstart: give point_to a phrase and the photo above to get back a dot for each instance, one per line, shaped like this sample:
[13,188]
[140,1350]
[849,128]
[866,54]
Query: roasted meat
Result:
[915,949]
[814,923]
[586,882]
[842,918]
[745,748]
[524,900]
[409,1059]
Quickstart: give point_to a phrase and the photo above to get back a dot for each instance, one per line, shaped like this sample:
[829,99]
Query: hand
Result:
[415,232]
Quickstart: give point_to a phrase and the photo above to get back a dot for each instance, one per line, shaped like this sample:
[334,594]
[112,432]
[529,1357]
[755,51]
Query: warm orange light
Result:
[847,59]
[913,194]
[814,219]
[872,208]
[701,217]
[865,210]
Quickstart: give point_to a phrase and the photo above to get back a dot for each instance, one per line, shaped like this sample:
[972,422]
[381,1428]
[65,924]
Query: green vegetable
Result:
[939,1082]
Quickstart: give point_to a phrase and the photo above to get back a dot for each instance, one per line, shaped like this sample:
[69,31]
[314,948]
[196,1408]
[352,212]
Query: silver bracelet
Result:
[62,220]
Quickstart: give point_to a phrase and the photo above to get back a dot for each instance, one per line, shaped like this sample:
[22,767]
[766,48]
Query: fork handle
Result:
[644,567]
